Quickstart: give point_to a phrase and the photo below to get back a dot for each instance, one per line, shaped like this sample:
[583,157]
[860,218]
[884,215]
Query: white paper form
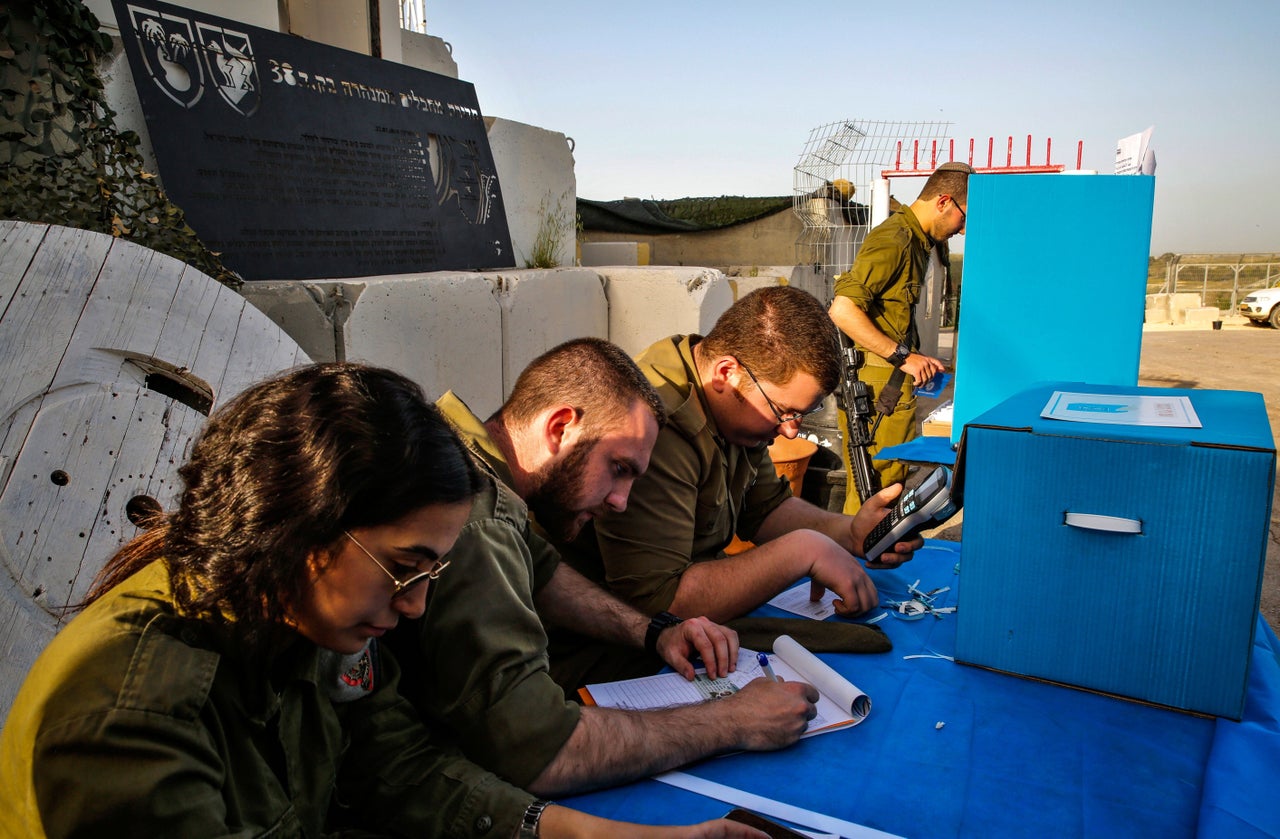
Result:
[1120,409]
[668,690]
[641,695]
[796,600]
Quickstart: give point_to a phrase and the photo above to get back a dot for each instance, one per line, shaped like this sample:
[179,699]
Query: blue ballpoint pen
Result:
[764,665]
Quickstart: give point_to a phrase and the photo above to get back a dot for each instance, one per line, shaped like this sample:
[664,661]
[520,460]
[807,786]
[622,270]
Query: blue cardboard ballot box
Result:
[1125,559]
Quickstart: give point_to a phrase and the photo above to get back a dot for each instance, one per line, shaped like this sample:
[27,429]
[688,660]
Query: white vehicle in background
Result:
[1263,307]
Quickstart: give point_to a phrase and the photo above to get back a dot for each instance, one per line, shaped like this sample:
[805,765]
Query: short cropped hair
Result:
[777,331]
[595,376]
[948,179]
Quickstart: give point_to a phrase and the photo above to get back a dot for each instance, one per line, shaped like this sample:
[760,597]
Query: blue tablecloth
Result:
[1014,757]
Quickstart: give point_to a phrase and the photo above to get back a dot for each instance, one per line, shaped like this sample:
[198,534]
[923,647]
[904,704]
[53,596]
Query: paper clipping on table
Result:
[1122,409]
[840,703]
[796,601]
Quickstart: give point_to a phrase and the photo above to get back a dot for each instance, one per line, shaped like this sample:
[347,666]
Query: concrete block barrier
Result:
[647,303]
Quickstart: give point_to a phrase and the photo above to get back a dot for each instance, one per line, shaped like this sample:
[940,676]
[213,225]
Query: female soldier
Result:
[225,677]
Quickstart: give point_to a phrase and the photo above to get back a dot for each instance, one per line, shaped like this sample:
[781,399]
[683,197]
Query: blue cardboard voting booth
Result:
[1055,283]
[1125,559]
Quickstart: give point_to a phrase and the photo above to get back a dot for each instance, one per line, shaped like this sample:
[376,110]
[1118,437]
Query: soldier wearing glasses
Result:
[226,678]
[875,304]
[768,361]
[566,447]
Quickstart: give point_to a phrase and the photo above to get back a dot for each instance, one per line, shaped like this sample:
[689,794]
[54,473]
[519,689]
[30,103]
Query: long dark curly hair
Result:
[278,473]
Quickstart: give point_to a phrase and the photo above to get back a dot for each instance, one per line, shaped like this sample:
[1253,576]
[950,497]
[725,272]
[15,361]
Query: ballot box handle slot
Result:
[1108,524]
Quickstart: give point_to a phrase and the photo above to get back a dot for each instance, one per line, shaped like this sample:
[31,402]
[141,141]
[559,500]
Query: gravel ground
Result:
[1237,357]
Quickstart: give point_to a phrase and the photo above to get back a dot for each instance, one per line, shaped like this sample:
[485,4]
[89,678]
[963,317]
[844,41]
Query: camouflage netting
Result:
[681,215]
[62,161]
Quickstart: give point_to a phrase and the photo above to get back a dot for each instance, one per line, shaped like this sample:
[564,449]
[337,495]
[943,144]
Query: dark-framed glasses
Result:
[402,586]
[964,217]
[783,417]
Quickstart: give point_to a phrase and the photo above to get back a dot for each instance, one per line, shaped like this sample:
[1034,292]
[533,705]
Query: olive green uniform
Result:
[136,721]
[885,282]
[476,662]
[698,493]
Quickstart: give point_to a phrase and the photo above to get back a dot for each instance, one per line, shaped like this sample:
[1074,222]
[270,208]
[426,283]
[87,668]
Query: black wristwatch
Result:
[899,356]
[657,623]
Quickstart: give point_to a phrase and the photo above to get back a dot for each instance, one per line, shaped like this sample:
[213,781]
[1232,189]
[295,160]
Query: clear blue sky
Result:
[667,99]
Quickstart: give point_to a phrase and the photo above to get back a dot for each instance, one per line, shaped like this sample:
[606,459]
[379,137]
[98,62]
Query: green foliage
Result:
[62,161]
[553,224]
[724,211]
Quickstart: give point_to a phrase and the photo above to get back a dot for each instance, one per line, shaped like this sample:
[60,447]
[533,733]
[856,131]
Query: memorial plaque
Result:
[298,160]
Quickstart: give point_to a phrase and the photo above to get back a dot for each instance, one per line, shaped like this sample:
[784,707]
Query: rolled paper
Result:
[828,682]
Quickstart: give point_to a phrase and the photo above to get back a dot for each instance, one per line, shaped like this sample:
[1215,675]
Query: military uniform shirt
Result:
[137,721]
[476,662]
[698,493]
[887,275]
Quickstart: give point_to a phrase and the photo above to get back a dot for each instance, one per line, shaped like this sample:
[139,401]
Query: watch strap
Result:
[532,815]
[657,623]
[899,355]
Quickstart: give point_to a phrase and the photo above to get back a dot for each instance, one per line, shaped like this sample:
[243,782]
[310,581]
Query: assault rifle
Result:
[855,396]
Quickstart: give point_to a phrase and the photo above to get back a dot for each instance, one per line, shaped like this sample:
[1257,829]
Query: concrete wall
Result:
[648,303]
[441,330]
[427,52]
[535,174]
[744,279]
[474,333]
[263,13]
[543,308]
[340,23]
[1202,316]
[767,241]
[751,256]
[613,253]
[1171,308]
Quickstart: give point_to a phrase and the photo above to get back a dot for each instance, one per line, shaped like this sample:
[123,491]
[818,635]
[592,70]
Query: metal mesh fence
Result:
[832,183]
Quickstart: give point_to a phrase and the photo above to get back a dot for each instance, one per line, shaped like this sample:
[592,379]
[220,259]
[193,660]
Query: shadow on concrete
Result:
[1169,381]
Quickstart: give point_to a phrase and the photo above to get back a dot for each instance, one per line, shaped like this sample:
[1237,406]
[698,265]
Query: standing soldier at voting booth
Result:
[875,304]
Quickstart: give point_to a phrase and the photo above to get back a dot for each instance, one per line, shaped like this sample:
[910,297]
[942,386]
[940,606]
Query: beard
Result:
[555,501]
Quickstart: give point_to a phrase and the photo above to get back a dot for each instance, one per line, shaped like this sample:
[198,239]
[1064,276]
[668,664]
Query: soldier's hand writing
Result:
[771,715]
